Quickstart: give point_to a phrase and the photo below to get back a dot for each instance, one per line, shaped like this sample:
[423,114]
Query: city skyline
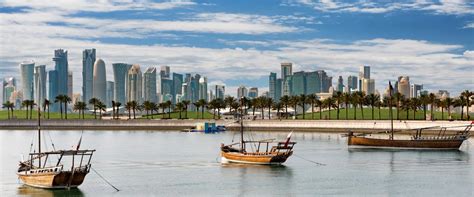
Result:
[242,45]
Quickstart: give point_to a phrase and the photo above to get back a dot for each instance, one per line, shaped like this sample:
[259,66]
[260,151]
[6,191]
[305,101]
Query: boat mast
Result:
[242,146]
[39,137]
[390,109]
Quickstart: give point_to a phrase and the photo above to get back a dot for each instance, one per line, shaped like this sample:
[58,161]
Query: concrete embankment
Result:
[255,125]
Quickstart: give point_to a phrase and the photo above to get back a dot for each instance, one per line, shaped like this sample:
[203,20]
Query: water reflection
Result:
[36,192]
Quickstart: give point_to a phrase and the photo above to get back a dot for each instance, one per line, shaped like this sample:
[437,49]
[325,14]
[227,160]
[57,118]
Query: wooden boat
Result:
[36,172]
[267,152]
[417,141]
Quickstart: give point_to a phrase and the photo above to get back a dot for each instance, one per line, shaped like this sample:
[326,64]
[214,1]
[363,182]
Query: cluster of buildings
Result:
[129,83]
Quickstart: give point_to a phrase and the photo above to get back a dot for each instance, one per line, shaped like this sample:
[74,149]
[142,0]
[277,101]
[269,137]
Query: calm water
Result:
[185,164]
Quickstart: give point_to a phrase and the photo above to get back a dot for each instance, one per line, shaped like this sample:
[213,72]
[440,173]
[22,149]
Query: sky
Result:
[240,42]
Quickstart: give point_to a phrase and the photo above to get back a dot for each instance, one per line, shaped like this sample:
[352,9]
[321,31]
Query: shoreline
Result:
[327,126]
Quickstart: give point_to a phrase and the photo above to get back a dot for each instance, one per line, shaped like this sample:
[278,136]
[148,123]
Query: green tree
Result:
[346,97]
[278,106]
[414,105]
[46,104]
[179,107]
[294,101]
[432,99]
[9,105]
[129,108]
[311,99]
[329,102]
[398,98]
[302,103]
[186,104]
[338,99]
[372,100]
[80,107]
[93,102]
[467,94]
[424,100]
[285,100]
[101,107]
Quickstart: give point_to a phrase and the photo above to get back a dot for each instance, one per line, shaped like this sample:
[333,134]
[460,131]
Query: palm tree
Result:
[134,108]
[213,106]
[179,107]
[311,99]
[467,94]
[25,104]
[186,104]
[448,103]
[203,104]
[197,105]
[254,103]
[277,106]
[432,100]
[302,103]
[294,101]
[80,107]
[235,106]
[66,100]
[269,103]
[147,105]
[361,101]
[228,100]
[424,100]
[46,103]
[379,104]
[405,105]
[285,100]
[459,102]
[414,105]
[372,100]
[9,105]
[128,107]
[117,107]
[261,103]
[113,109]
[101,107]
[319,104]
[346,97]
[398,97]
[93,102]
[219,105]
[329,102]
[169,105]
[354,101]
[338,98]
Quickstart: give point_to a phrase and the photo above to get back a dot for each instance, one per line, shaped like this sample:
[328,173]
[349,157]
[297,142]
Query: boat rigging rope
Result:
[51,139]
[308,160]
[104,179]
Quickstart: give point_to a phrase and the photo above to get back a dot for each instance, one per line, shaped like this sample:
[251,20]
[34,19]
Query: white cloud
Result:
[469,25]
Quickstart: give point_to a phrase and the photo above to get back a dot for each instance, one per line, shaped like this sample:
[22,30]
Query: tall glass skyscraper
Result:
[120,73]
[149,85]
[88,60]
[134,84]
[61,67]
[27,70]
[99,85]
[40,84]
[110,93]
[177,86]
[53,89]
[220,91]
[203,88]
[272,85]
[313,83]
[298,85]
[9,86]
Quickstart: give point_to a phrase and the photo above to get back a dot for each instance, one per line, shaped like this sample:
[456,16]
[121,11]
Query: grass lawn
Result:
[21,114]
[384,114]
[175,115]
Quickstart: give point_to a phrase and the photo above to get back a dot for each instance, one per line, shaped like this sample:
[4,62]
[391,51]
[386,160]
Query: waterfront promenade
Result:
[254,125]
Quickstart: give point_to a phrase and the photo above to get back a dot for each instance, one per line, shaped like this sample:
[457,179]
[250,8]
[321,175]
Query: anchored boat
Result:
[36,172]
[266,152]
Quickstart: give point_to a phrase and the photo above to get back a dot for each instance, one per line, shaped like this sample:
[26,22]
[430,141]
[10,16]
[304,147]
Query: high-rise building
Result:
[40,84]
[415,90]
[134,84]
[69,84]
[364,73]
[177,86]
[352,83]
[99,85]
[286,69]
[120,73]
[278,89]
[165,72]
[9,86]
[88,60]
[242,92]
[286,73]
[203,88]
[340,84]
[76,98]
[149,85]
[442,94]
[326,81]
[253,93]
[272,80]
[313,83]
[220,91]
[27,70]
[53,89]
[110,93]
[368,86]
[298,85]
[61,68]
[404,86]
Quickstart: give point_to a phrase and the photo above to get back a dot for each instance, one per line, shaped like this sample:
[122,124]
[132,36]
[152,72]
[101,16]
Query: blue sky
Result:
[240,42]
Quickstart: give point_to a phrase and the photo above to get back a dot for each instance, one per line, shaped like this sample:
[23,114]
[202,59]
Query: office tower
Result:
[99,85]
[272,80]
[134,84]
[120,73]
[61,68]
[443,94]
[286,72]
[9,86]
[110,93]
[76,98]
[253,93]
[40,84]
[278,89]
[166,89]
[352,83]
[340,84]
[195,87]
[88,60]
[27,79]
[53,89]
[211,96]
[220,91]
[69,84]
[364,73]
[265,94]
[149,85]
[286,69]
[203,88]
[368,86]
[298,85]
[326,81]
[165,72]
[313,83]
[241,92]
[404,86]
[415,90]
[177,86]
[17,98]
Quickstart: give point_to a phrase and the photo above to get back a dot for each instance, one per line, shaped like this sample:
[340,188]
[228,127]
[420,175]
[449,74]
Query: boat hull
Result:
[259,159]
[363,142]
[52,180]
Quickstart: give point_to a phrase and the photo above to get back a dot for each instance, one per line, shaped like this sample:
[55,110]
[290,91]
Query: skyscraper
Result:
[203,88]
[253,93]
[326,81]
[177,86]
[53,89]
[120,73]
[298,85]
[241,92]
[415,90]
[40,84]
[134,84]
[165,72]
[364,73]
[88,60]
[9,86]
[404,86]
[272,80]
[27,79]
[340,84]
[286,72]
[352,83]
[61,67]
[313,83]
[69,84]
[110,93]
[368,86]
[149,85]
[99,85]
[286,69]
[220,91]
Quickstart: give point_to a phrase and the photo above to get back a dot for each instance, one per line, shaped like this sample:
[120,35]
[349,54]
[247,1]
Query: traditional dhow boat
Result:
[417,141]
[267,152]
[36,172]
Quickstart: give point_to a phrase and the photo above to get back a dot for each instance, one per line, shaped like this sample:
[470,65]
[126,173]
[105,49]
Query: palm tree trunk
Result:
[346,111]
[303,111]
[320,112]
[329,112]
[263,115]
[65,110]
[202,112]
[134,113]
[362,111]
[27,112]
[424,111]
[129,115]
[48,112]
[355,112]
[379,113]
[269,112]
[296,117]
[373,112]
[312,110]
[462,112]
[442,113]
